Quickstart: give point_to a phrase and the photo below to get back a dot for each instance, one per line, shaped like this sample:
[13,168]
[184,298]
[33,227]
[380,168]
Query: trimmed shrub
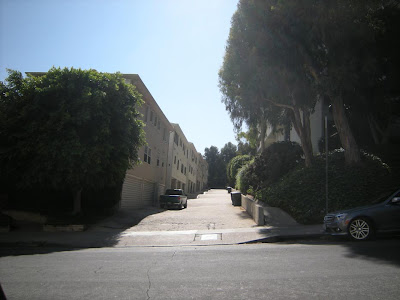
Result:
[301,193]
[274,162]
[245,178]
[233,167]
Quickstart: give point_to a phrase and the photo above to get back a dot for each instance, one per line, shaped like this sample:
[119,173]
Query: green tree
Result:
[247,142]
[228,152]
[68,129]
[233,167]
[263,76]
[216,167]
[350,52]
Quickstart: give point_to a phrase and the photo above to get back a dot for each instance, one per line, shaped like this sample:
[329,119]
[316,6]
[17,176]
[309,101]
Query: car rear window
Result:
[173,192]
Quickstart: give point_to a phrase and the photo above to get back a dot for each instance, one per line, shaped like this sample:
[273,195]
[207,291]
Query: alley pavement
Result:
[210,219]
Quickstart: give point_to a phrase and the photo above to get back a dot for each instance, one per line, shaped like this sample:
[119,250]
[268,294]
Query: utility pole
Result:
[326,161]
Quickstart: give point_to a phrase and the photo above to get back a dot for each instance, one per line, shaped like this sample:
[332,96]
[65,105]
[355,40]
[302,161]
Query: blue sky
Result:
[176,47]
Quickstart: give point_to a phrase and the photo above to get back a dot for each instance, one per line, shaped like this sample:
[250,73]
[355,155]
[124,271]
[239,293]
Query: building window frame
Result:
[147,155]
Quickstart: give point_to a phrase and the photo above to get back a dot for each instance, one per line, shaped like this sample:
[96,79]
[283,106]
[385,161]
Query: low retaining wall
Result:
[263,214]
[255,210]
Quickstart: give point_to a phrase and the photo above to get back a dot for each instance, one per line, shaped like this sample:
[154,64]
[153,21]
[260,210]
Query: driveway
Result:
[212,210]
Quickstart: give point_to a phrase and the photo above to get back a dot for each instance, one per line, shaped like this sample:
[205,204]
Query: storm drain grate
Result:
[208,237]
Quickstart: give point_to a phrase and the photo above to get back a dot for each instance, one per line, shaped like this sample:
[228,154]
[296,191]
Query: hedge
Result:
[301,193]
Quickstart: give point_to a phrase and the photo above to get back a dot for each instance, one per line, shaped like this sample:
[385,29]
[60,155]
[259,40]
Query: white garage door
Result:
[136,192]
[148,193]
[131,192]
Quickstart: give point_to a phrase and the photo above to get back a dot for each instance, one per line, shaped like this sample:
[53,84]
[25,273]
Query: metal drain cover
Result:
[208,237]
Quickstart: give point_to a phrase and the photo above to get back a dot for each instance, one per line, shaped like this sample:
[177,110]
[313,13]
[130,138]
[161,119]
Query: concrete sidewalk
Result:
[209,220]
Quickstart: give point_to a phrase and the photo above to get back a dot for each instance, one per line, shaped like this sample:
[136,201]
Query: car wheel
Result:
[360,229]
[185,206]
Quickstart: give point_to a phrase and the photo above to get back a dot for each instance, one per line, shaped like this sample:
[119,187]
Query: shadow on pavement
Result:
[382,249]
[105,233]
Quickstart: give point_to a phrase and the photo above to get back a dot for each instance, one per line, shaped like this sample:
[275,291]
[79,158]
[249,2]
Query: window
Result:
[158,125]
[182,168]
[155,120]
[158,162]
[175,160]
[185,170]
[147,155]
[176,138]
[164,134]
[151,116]
[177,167]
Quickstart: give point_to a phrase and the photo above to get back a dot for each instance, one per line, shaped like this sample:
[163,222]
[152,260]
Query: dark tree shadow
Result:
[107,232]
[383,249]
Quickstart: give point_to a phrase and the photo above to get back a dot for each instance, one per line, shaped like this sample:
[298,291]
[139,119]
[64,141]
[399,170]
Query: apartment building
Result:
[168,160]
[178,159]
[145,182]
[192,169]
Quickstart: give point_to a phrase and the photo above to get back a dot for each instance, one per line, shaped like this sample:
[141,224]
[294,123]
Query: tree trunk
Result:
[77,202]
[349,144]
[263,128]
[373,130]
[303,130]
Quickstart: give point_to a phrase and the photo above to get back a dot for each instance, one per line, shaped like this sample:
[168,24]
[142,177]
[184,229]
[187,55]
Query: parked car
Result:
[174,197]
[362,223]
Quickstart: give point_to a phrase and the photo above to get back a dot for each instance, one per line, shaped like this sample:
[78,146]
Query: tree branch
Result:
[279,104]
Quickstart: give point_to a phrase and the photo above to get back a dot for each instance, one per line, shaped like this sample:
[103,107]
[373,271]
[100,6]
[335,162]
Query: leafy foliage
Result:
[247,142]
[234,165]
[283,56]
[301,192]
[228,152]
[216,168]
[264,75]
[245,179]
[275,161]
[68,129]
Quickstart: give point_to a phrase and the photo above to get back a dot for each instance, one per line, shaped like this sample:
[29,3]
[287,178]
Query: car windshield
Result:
[383,197]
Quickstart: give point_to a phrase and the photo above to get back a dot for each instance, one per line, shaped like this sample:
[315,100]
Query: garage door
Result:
[131,192]
[148,193]
[136,192]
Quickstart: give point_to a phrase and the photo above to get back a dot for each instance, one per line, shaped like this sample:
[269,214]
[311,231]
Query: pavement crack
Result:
[98,269]
[149,287]
[173,255]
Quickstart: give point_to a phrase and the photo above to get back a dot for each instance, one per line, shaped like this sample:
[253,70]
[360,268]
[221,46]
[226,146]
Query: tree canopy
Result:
[284,56]
[68,129]
[217,163]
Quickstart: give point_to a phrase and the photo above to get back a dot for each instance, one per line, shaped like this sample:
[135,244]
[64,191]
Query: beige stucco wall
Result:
[178,150]
[157,128]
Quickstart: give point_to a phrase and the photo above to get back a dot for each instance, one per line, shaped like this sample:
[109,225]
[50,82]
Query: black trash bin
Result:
[236,198]
[229,189]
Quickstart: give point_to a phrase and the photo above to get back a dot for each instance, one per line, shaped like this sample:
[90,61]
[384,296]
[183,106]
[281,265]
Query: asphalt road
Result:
[300,270]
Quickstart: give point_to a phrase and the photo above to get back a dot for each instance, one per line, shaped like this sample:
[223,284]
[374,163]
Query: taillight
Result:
[179,198]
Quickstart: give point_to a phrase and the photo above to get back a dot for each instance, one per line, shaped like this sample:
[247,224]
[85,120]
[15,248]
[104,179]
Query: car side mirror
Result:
[395,200]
